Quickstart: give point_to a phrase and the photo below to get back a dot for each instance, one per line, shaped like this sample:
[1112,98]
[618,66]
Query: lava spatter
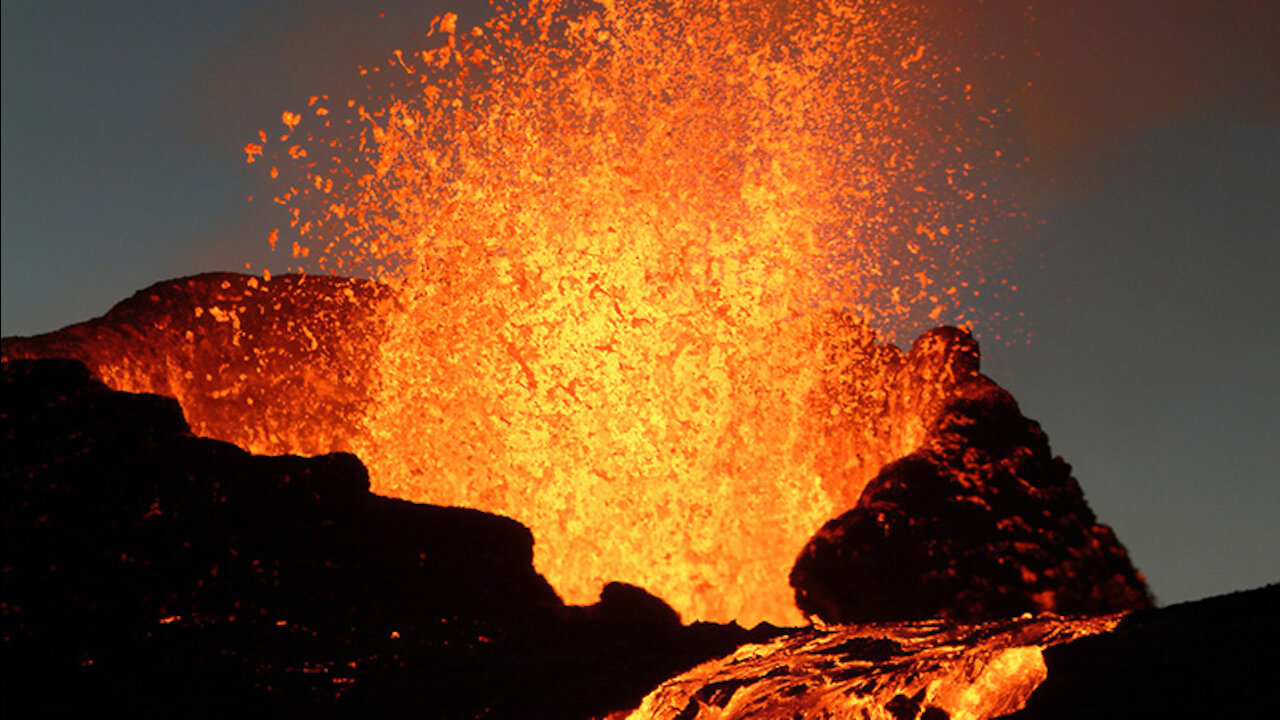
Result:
[617,234]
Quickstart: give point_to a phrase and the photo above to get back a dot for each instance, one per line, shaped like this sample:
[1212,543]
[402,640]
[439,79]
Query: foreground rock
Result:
[1214,658]
[980,522]
[151,572]
[291,366]
[1210,659]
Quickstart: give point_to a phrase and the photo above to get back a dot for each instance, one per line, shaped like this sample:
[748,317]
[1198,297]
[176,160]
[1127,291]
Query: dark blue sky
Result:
[1149,285]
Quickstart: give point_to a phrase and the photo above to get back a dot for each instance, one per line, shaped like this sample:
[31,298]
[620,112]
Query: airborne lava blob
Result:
[617,236]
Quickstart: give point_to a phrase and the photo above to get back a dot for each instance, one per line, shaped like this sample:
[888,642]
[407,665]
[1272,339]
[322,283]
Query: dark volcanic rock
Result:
[629,606]
[1214,658]
[151,572]
[980,522]
[875,402]
[278,366]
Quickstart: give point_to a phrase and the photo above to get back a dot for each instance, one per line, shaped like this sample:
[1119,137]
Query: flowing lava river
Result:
[927,670]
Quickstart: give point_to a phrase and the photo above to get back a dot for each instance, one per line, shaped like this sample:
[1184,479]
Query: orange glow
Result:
[275,365]
[636,253]
[879,672]
[617,236]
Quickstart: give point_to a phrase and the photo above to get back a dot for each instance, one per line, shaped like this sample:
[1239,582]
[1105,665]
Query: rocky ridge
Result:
[980,522]
[149,571]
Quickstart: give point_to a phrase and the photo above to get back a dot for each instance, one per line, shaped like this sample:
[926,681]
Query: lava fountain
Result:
[618,235]
[632,261]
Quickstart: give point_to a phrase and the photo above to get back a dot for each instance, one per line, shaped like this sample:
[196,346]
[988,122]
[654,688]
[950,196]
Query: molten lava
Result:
[635,254]
[617,235]
[878,672]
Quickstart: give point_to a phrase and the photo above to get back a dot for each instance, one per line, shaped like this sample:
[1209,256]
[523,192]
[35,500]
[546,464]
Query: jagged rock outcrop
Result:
[876,402]
[151,572]
[622,604]
[275,366]
[287,365]
[980,522]
[293,366]
[1213,658]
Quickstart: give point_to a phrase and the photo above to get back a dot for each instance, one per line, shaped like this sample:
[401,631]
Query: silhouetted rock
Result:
[151,572]
[294,365]
[630,606]
[1212,658]
[876,403]
[275,366]
[980,522]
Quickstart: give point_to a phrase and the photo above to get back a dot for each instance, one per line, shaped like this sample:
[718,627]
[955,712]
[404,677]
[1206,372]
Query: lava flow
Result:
[634,257]
[927,670]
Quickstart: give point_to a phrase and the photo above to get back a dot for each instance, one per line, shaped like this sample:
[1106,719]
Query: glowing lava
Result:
[878,672]
[617,235]
[632,256]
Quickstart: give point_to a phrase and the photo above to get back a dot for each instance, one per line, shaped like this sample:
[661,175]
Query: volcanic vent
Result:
[282,366]
[625,243]
[628,262]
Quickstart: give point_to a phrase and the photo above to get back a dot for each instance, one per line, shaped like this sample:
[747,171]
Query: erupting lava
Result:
[617,235]
[635,254]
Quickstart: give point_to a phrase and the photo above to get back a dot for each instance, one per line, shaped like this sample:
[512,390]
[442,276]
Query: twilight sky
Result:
[1150,282]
